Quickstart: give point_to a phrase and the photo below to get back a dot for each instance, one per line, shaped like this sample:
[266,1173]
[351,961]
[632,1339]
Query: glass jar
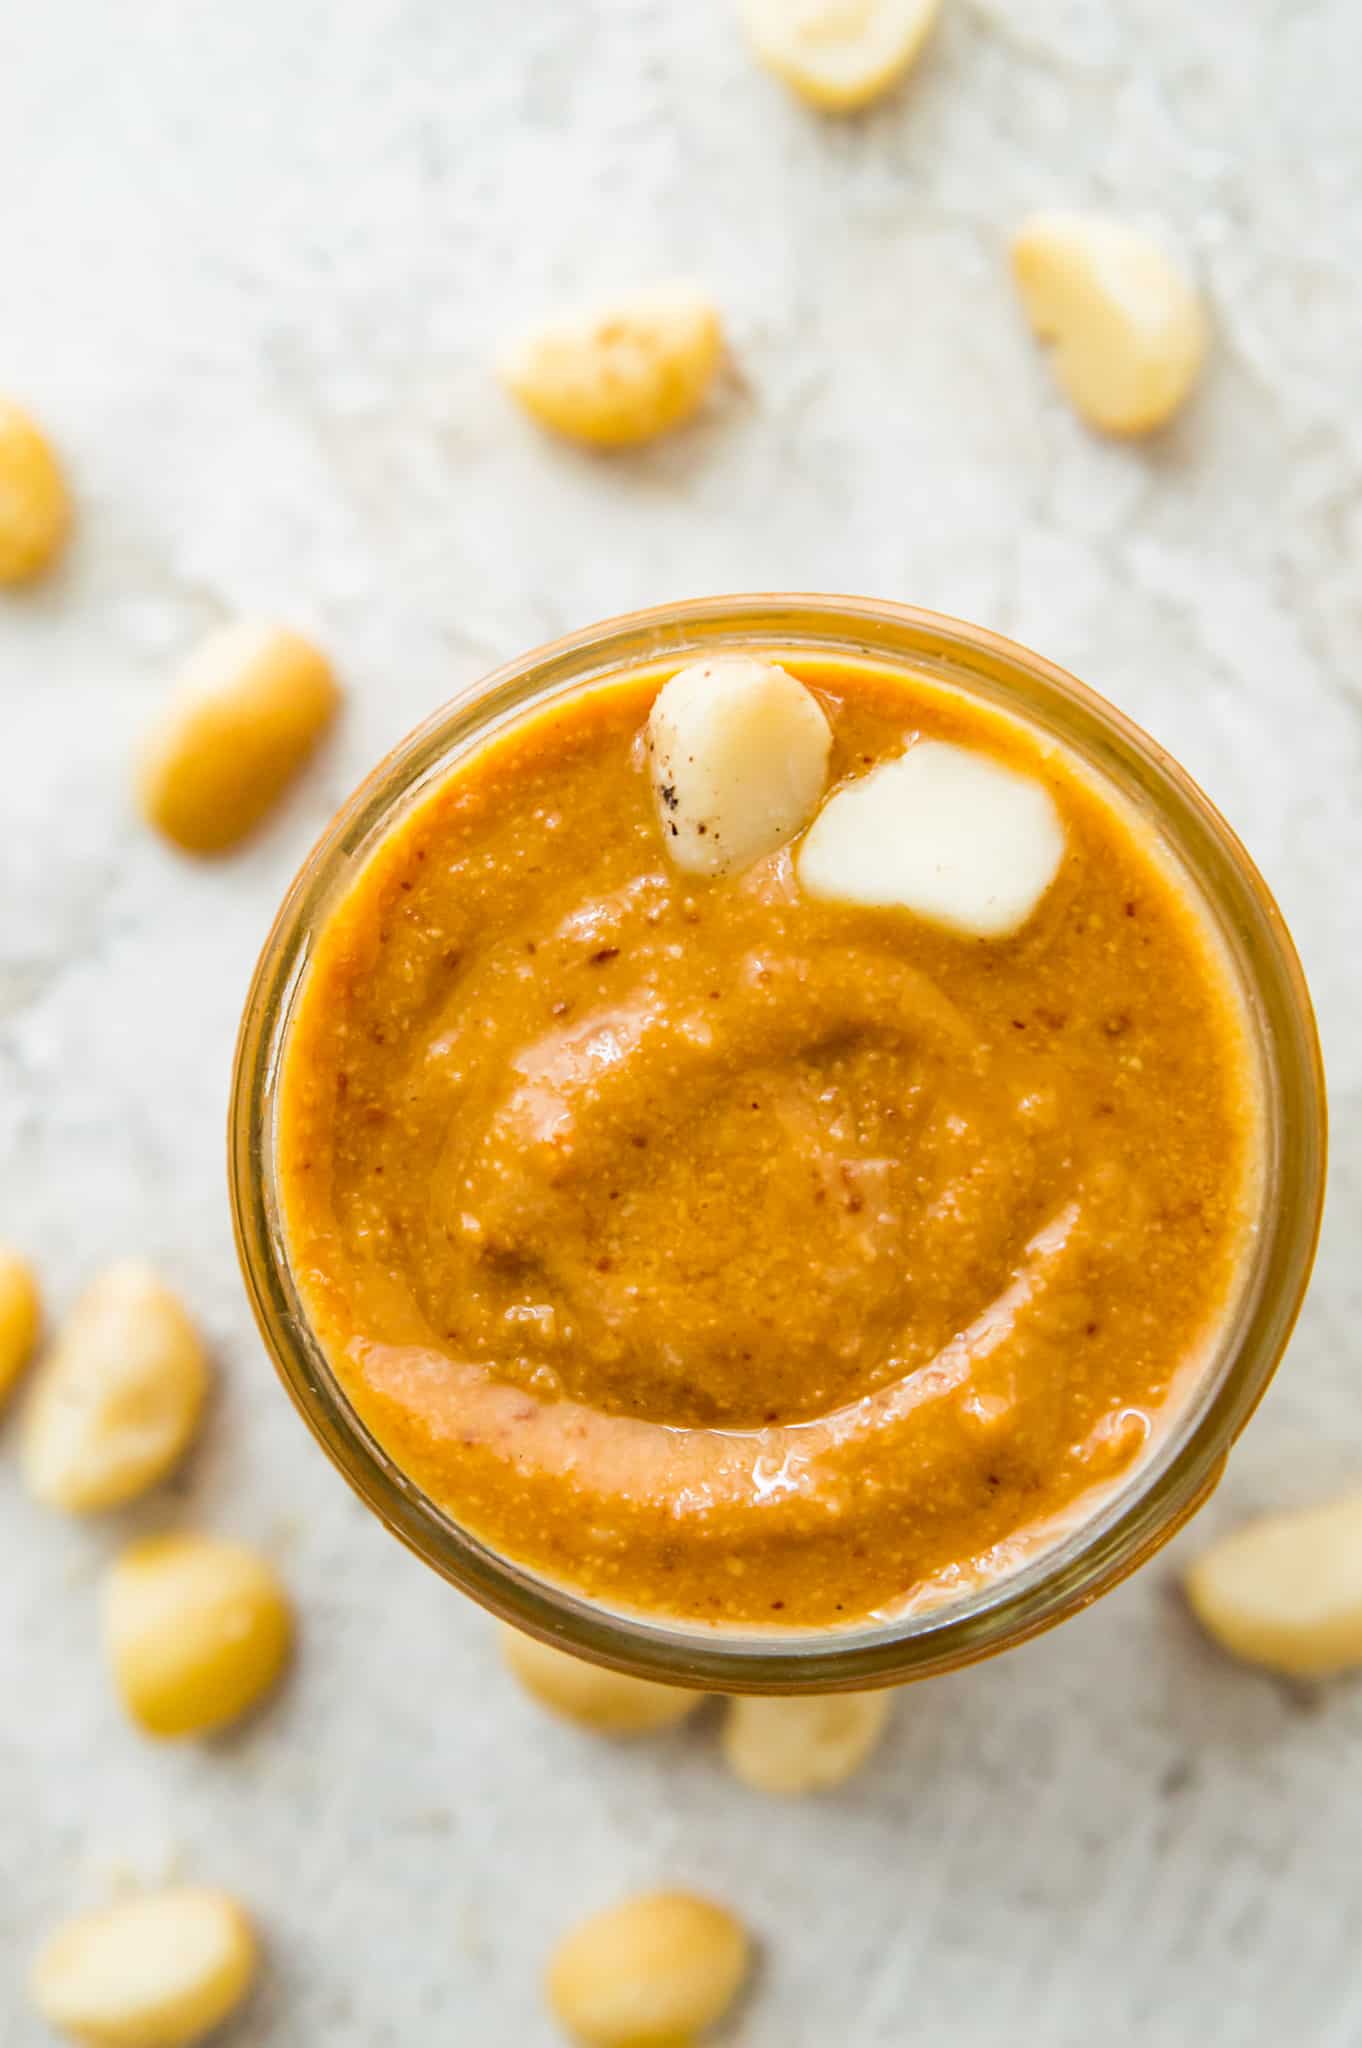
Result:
[1162,1491]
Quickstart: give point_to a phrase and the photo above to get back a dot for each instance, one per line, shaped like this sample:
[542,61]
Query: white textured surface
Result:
[256,258]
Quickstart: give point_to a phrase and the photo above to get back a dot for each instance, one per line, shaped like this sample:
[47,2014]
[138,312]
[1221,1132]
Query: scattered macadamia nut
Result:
[35,511]
[1286,1592]
[738,751]
[196,1630]
[651,1973]
[1129,331]
[250,706]
[118,1397]
[942,831]
[608,1701]
[622,372]
[159,1971]
[20,1317]
[792,1746]
[838,54]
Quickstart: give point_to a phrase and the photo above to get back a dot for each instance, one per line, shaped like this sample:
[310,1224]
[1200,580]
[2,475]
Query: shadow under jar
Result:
[758,1292]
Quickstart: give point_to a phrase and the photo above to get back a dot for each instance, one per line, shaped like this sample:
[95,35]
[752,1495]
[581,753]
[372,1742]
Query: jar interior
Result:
[1114,1532]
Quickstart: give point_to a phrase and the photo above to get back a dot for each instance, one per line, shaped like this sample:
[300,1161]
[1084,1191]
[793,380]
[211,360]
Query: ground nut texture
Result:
[259,262]
[741,1254]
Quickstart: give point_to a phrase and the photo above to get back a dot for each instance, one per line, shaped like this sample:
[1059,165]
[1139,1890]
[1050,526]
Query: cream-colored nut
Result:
[608,1701]
[943,831]
[838,54]
[250,705]
[619,373]
[118,1397]
[196,1630]
[1128,329]
[20,1315]
[1286,1591]
[35,511]
[791,1746]
[159,1971]
[738,751]
[651,1973]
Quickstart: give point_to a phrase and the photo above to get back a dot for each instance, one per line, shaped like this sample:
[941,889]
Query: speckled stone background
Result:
[255,260]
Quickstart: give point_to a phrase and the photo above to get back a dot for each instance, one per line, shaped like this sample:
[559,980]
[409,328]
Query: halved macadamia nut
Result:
[1286,1592]
[622,372]
[791,1746]
[159,1971]
[838,54]
[196,1630]
[35,511]
[20,1316]
[118,1397]
[250,705]
[942,831]
[738,750]
[610,1702]
[651,1973]
[1128,330]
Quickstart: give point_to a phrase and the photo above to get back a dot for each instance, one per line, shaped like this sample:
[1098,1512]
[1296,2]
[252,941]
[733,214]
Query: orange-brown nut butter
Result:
[740,1256]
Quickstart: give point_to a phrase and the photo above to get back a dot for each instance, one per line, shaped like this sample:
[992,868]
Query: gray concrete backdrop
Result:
[253,263]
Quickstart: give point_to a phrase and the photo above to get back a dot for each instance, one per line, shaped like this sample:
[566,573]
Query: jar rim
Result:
[1163,1490]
